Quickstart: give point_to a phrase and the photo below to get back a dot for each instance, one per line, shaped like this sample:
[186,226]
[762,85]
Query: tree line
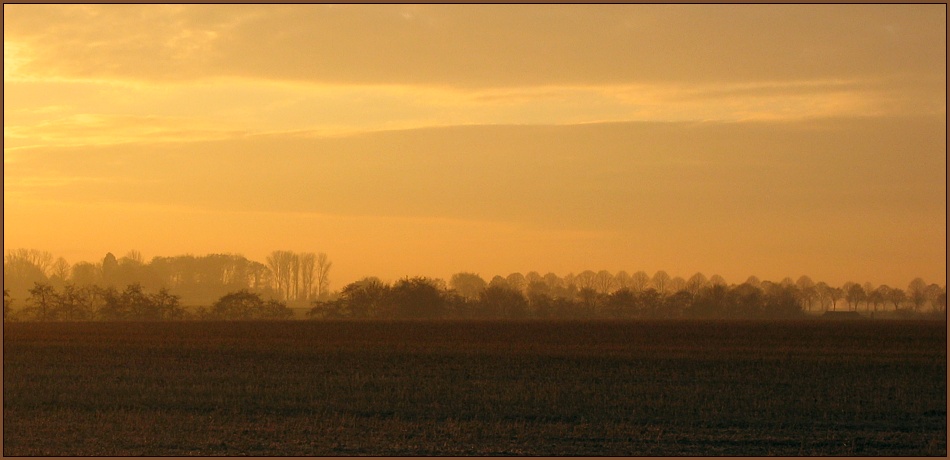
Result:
[604,295]
[93,303]
[291,277]
[53,290]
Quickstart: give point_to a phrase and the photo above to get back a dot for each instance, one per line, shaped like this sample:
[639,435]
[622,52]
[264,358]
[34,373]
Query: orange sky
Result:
[774,140]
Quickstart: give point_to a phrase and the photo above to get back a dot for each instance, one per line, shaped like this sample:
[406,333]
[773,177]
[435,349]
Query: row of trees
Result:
[87,303]
[84,303]
[810,295]
[468,296]
[296,278]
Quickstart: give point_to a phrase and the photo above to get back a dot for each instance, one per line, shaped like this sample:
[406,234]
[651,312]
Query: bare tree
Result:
[640,281]
[883,294]
[40,259]
[896,296]
[677,284]
[308,265]
[468,285]
[135,256]
[622,280]
[295,276]
[533,277]
[868,293]
[696,282]
[835,294]
[917,293]
[806,289]
[60,269]
[717,280]
[933,292]
[854,294]
[586,279]
[604,282]
[516,281]
[661,281]
[280,264]
[323,275]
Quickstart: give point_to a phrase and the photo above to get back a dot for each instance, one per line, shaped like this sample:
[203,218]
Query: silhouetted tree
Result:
[109,268]
[468,285]
[677,283]
[365,298]
[648,302]
[747,300]
[502,302]
[308,266]
[245,305]
[43,301]
[86,274]
[621,303]
[532,277]
[73,303]
[275,309]
[540,297]
[498,280]
[710,301]
[896,296]
[933,292]
[323,266]
[753,281]
[835,294]
[516,281]
[781,301]
[717,280]
[604,282]
[59,272]
[588,302]
[622,280]
[280,264]
[586,279]
[695,283]
[676,304]
[854,294]
[917,293]
[868,293]
[639,281]
[661,282]
[23,268]
[884,294]
[416,298]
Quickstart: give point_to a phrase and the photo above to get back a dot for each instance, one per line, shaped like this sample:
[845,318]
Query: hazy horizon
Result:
[428,140]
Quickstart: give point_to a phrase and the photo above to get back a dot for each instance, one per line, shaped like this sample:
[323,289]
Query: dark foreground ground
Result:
[444,388]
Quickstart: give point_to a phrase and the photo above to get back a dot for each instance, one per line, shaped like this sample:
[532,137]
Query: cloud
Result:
[73,113]
[478,45]
[97,129]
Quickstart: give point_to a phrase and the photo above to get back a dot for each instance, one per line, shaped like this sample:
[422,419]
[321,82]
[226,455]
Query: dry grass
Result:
[475,388]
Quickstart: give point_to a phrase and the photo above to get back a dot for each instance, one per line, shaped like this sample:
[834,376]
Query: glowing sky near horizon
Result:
[402,140]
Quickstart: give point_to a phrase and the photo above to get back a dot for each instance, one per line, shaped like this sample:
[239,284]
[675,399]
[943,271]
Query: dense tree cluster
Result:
[86,303]
[75,303]
[245,305]
[605,295]
[296,278]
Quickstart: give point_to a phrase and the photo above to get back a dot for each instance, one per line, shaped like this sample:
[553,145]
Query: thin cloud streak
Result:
[239,108]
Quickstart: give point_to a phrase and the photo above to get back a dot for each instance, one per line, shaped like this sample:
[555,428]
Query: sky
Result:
[427,140]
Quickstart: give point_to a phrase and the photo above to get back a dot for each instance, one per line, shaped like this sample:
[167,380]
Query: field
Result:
[475,388]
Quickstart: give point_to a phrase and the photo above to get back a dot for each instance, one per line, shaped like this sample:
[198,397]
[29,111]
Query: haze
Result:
[767,140]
